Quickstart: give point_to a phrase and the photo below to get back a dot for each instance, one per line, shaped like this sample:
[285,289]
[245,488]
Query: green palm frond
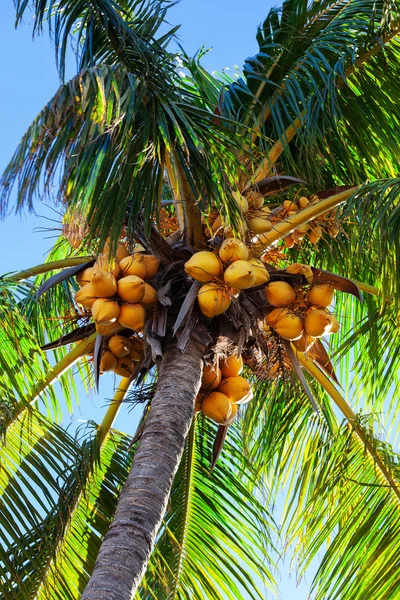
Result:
[65,491]
[211,542]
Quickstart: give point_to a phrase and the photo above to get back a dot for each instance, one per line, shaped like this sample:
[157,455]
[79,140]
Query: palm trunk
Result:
[127,546]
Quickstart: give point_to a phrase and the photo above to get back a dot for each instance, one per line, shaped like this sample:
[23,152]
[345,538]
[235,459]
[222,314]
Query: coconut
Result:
[231,366]
[119,345]
[255,199]
[303,229]
[273,316]
[291,206]
[213,300]
[318,322]
[217,406]
[84,276]
[105,311]
[108,361]
[133,265]
[152,264]
[280,293]
[303,201]
[132,316]
[259,225]
[237,388]
[109,329]
[313,237]
[321,295]
[335,325]
[131,288]
[288,325]
[105,263]
[211,378]
[197,407]
[104,284]
[300,269]
[122,252]
[240,275]
[150,296]
[137,350]
[241,202]
[86,296]
[125,366]
[304,343]
[204,266]
[233,249]
[260,270]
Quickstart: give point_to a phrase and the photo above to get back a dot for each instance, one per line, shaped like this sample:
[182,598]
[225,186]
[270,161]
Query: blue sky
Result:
[30,78]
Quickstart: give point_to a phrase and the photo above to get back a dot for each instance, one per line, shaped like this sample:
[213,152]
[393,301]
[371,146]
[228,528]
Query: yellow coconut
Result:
[313,237]
[280,293]
[109,329]
[132,316]
[133,265]
[150,296]
[105,263]
[289,205]
[335,325]
[237,388]
[241,202]
[233,414]
[233,249]
[211,378]
[105,311]
[303,201]
[104,284]
[137,349]
[289,326]
[84,276]
[217,406]
[108,361]
[300,269]
[259,225]
[204,266]
[304,343]
[318,322]
[131,288]
[303,229]
[321,295]
[119,345]
[86,296]
[122,252]
[260,270]
[240,275]
[152,264]
[197,407]
[125,367]
[273,316]
[232,366]
[213,300]
[255,199]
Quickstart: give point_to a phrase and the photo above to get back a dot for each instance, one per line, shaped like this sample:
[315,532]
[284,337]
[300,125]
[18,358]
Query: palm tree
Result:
[135,150]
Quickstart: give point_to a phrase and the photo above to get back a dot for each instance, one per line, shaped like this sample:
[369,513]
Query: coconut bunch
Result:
[116,290]
[120,353]
[222,390]
[224,275]
[300,315]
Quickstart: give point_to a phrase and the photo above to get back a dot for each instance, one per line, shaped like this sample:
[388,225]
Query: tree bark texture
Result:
[127,546]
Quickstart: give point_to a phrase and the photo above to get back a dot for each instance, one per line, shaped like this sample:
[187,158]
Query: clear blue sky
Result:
[29,79]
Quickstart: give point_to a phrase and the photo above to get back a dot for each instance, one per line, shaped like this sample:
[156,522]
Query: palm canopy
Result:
[126,134]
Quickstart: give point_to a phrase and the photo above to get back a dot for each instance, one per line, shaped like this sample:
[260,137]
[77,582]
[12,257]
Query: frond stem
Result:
[50,266]
[383,473]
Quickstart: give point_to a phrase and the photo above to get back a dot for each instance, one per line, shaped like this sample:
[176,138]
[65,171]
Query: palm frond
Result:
[210,541]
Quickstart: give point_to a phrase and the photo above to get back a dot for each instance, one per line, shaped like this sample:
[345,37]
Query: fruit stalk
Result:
[113,409]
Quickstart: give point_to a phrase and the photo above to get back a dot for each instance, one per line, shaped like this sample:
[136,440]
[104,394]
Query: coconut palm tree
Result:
[298,160]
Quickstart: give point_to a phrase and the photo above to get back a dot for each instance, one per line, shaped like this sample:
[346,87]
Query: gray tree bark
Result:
[127,546]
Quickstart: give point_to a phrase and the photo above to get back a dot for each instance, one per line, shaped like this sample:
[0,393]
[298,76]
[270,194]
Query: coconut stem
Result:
[65,363]
[286,227]
[113,409]
[50,266]
[383,473]
[189,214]
[365,287]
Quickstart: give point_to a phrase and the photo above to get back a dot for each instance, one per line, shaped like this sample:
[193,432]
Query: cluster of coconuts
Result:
[115,290]
[222,390]
[300,315]
[224,274]
[120,353]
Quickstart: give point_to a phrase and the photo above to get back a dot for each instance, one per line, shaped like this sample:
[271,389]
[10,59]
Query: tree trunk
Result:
[127,546]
